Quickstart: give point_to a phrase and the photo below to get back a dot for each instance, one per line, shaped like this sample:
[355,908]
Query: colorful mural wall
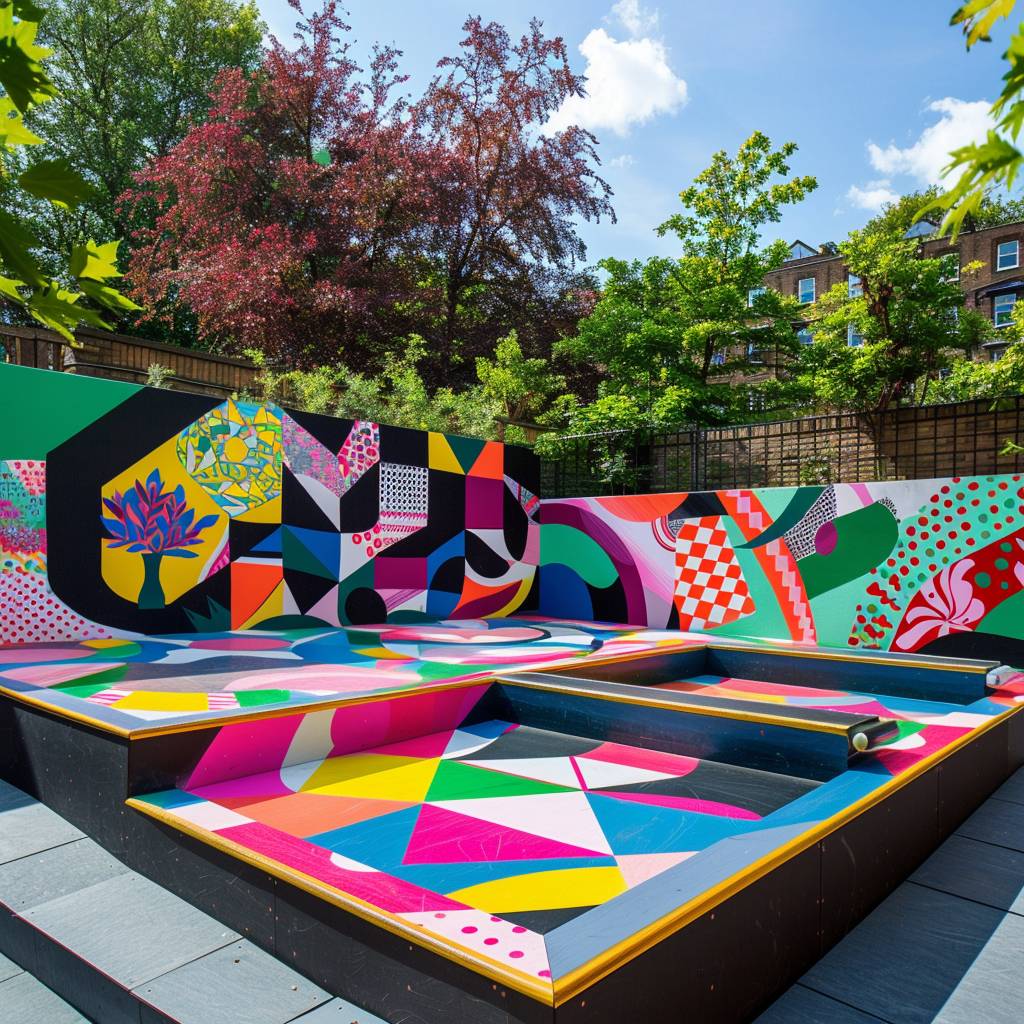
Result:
[158,512]
[935,566]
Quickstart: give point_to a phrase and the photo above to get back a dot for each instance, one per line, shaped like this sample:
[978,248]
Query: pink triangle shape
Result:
[638,867]
[446,837]
[431,745]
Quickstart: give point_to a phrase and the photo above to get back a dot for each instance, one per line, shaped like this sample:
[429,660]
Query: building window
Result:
[854,286]
[753,294]
[805,336]
[950,266]
[1002,308]
[995,354]
[717,358]
[805,289]
[1007,255]
[853,337]
[754,354]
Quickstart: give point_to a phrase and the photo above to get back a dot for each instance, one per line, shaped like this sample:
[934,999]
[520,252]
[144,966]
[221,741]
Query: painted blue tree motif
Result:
[153,522]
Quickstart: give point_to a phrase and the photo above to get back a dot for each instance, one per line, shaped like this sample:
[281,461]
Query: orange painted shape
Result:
[252,582]
[490,463]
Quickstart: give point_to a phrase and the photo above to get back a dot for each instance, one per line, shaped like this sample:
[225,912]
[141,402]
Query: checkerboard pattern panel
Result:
[710,588]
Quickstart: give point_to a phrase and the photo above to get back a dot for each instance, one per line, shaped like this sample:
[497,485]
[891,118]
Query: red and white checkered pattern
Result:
[710,588]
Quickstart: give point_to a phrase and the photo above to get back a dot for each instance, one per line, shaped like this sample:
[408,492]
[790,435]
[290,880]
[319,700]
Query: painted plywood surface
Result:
[932,566]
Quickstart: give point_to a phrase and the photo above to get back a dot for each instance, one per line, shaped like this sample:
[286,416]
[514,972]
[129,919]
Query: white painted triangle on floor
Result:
[557,770]
[638,867]
[463,743]
[563,817]
[601,774]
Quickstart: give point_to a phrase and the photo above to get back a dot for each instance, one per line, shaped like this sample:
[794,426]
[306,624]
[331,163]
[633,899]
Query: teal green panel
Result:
[802,500]
[42,408]
[864,539]
[565,545]
[1006,619]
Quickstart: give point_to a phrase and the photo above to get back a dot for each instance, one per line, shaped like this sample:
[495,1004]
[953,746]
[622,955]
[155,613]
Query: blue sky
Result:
[874,93]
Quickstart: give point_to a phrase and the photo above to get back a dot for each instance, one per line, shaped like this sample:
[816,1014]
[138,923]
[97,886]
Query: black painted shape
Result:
[403,446]
[515,523]
[523,466]
[760,792]
[446,517]
[364,607]
[974,644]
[243,537]
[360,504]
[483,559]
[299,509]
[697,505]
[330,431]
[609,603]
[306,588]
[529,742]
[449,576]
[75,474]
[544,921]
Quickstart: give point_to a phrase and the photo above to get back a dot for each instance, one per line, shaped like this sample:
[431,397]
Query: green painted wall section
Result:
[565,545]
[40,409]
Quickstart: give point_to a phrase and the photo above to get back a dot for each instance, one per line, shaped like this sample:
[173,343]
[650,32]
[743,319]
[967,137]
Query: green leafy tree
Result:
[995,162]
[674,335]
[82,286]
[886,344]
[519,388]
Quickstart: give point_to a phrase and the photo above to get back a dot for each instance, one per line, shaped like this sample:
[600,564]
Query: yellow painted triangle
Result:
[381,652]
[544,890]
[375,777]
[271,608]
[441,456]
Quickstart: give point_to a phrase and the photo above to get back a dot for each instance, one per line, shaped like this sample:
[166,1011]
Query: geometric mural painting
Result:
[177,513]
[919,565]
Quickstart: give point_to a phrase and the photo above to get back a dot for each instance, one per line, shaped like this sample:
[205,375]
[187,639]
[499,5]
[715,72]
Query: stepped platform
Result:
[542,839]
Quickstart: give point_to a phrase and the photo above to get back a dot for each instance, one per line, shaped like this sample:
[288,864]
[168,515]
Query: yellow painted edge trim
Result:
[61,712]
[760,718]
[832,654]
[464,957]
[581,978]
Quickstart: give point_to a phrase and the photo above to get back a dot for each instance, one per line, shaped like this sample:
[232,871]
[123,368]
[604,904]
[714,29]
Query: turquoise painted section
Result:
[912,565]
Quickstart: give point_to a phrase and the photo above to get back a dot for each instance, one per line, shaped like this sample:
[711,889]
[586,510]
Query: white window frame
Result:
[1007,311]
[949,257]
[805,332]
[854,286]
[754,354]
[1000,265]
[753,293]
[800,290]
[851,333]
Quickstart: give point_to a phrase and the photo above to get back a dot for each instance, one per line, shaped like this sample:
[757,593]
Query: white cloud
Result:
[628,82]
[636,20]
[961,122]
[626,160]
[873,196]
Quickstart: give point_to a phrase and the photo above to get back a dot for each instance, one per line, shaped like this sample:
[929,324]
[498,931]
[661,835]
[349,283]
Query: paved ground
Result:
[947,946]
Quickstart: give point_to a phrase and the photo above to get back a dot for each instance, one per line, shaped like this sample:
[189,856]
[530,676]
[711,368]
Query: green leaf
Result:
[9,289]
[57,181]
[16,243]
[28,11]
[12,129]
[98,262]
[108,297]
[322,157]
[21,74]
[58,309]
[978,17]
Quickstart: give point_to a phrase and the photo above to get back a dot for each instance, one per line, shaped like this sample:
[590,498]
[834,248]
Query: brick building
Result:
[993,290]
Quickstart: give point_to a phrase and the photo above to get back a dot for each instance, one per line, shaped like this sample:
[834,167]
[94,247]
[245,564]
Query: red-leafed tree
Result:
[316,217]
[279,219]
[505,196]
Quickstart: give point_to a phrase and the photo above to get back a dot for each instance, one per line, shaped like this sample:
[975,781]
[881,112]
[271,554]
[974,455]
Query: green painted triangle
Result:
[89,683]
[466,449]
[454,780]
[83,691]
[296,556]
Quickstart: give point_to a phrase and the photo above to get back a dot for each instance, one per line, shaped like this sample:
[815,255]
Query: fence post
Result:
[696,438]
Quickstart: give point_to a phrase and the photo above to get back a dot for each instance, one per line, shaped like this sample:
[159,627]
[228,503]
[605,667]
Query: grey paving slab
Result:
[155,930]
[41,877]
[8,968]
[996,821]
[23,1000]
[904,961]
[339,1011]
[1012,789]
[800,1005]
[978,871]
[990,991]
[237,982]
[31,828]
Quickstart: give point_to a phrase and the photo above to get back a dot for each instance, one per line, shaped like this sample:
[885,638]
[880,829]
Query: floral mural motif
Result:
[153,522]
[945,604]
